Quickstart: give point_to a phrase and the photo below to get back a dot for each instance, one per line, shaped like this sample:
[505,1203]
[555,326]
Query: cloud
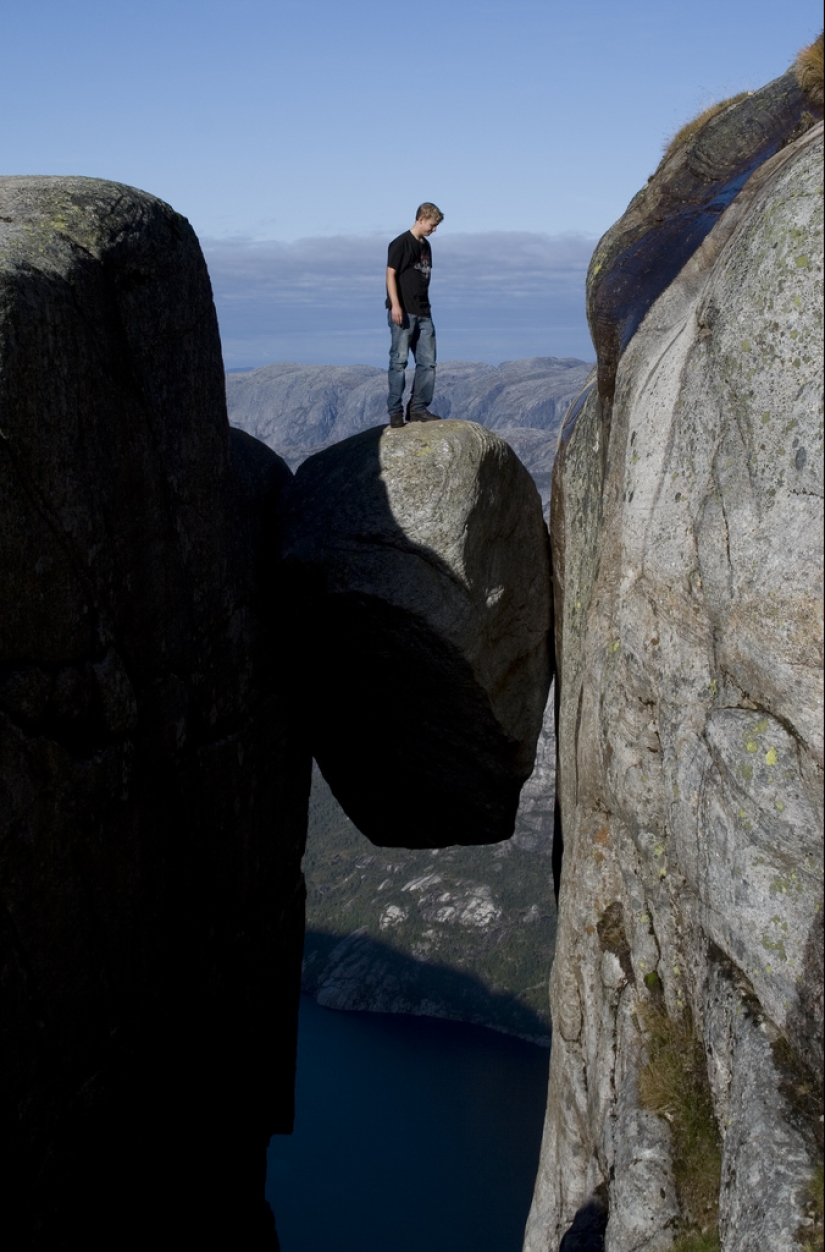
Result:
[496,296]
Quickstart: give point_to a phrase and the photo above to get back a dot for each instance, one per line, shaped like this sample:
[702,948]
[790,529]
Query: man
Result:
[409,262]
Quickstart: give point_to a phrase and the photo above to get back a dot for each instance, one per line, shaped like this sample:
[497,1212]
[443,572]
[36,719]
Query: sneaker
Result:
[396,420]
[428,417]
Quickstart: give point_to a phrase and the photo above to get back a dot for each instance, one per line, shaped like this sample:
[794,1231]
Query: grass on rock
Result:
[816,1190]
[700,121]
[674,1084]
[809,68]
[696,1243]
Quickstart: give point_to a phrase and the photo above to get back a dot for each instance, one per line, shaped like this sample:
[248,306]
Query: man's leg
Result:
[425,358]
[396,376]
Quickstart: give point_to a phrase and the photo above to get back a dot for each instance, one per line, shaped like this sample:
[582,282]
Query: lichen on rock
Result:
[687,548]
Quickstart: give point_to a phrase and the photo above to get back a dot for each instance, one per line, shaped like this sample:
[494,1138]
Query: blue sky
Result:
[299,137]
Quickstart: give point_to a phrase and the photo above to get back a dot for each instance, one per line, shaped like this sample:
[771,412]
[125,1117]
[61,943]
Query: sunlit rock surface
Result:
[687,539]
[418,561]
[152,790]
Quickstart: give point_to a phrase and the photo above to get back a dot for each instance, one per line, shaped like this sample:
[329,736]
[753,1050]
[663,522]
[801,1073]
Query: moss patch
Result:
[696,1243]
[674,1084]
[813,1238]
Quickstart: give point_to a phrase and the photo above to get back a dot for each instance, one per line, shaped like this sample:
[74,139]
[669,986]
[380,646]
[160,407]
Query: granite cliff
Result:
[684,1106]
[153,788]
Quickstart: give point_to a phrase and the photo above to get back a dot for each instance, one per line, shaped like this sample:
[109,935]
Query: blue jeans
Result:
[418,334]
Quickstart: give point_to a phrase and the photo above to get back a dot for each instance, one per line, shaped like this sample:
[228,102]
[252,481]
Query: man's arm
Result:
[396,312]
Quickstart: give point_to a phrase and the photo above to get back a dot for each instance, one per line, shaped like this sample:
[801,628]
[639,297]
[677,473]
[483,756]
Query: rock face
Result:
[153,789]
[417,560]
[687,547]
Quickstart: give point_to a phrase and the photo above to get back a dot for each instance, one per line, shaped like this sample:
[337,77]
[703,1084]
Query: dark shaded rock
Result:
[586,1232]
[419,561]
[667,220]
[152,793]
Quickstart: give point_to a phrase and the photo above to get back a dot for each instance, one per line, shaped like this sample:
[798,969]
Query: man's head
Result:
[427,217]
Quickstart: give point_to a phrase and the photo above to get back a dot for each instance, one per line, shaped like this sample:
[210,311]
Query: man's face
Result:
[426,226]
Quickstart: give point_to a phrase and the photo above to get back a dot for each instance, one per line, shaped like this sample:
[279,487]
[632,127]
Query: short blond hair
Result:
[428,212]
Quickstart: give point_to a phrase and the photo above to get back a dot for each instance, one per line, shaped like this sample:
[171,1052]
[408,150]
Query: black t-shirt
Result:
[412,260]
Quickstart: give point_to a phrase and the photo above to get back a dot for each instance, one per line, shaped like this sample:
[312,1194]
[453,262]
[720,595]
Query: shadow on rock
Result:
[419,573]
[587,1232]
[153,790]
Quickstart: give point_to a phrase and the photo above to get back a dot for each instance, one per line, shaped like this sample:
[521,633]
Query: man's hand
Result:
[396,312]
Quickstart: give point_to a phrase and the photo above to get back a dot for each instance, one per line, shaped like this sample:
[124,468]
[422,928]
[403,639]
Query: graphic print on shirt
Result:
[423,265]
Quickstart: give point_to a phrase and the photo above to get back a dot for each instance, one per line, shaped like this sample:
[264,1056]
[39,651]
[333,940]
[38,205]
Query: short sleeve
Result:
[395,254]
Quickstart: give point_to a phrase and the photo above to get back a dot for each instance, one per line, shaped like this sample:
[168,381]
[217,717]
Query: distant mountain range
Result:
[299,409]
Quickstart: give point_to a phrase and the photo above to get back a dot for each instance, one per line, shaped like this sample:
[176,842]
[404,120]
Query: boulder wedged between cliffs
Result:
[418,567]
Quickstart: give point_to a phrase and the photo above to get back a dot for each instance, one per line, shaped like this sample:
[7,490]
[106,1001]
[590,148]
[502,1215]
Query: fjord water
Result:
[410,1133]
